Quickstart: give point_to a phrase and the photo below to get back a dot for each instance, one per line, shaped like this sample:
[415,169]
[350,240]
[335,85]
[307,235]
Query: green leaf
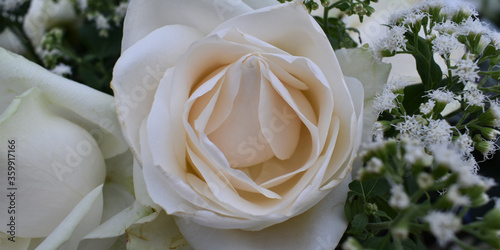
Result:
[429,71]
[358,224]
[413,97]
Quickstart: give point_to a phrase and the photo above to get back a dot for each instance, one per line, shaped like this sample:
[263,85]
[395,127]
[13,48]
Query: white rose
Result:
[240,119]
[58,140]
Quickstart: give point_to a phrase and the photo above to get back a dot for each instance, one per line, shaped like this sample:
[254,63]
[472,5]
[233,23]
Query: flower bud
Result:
[351,244]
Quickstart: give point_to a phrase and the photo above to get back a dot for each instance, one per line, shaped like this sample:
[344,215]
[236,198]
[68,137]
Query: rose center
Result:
[261,124]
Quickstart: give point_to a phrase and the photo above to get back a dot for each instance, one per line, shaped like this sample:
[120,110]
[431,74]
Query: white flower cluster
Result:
[443,225]
[8,6]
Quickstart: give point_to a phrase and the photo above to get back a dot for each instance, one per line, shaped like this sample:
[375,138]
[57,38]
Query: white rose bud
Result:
[55,138]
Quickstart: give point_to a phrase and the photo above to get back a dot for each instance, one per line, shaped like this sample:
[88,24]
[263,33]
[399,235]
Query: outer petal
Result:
[321,227]
[70,100]
[139,70]
[360,64]
[203,15]
[256,4]
[83,214]
[160,233]
[56,164]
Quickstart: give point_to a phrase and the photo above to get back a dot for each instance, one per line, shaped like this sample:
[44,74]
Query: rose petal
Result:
[83,218]
[70,100]
[320,227]
[145,16]
[256,4]
[74,163]
[138,72]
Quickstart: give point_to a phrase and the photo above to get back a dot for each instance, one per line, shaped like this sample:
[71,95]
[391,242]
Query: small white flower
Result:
[426,108]
[395,39]
[62,69]
[472,26]
[10,5]
[378,130]
[437,132]
[410,127]
[374,166]
[474,97]
[414,150]
[495,109]
[414,17]
[443,225]
[384,101]
[465,144]
[102,22]
[446,156]
[399,199]
[465,9]
[490,149]
[431,4]
[445,44]
[453,194]
[425,180]
[448,27]
[442,95]
[121,9]
[495,39]
[82,4]
[397,84]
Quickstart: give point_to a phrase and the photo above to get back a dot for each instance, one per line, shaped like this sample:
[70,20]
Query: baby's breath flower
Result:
[82,4]
[445,44]
[466,70]
[465,144]
[487,148]
[442,95]
[385,101]
[425,6]
[425,180]
[474,97]
[102,22]
[374,166]
[453,194]
[395,39]
[472,26]
[495,109]
[443,225]
[414,150]
[446,155]
[495,39]
[62,69]
[437,132]
[426,108]
[397,84]
[448,27]
[463,9]
[410,127]
[414,17]
[399,199]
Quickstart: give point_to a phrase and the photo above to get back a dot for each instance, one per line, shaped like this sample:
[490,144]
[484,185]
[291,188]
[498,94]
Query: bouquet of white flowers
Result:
[248,124]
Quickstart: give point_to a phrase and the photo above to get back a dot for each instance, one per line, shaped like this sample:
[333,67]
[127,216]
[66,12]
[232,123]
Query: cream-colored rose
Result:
[59,138]
[240,119]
